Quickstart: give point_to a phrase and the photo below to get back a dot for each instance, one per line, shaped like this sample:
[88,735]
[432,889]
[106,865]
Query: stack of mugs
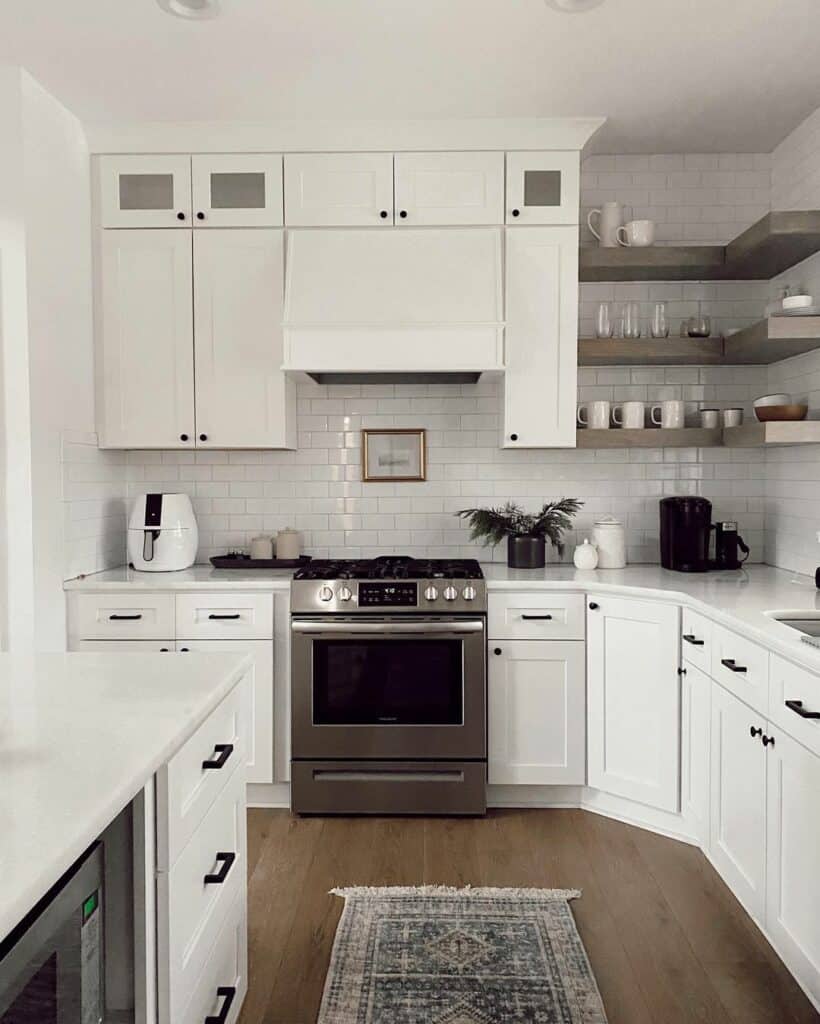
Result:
[601,414]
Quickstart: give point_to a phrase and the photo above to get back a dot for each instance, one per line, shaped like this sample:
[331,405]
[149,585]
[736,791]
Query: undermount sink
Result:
[807,623]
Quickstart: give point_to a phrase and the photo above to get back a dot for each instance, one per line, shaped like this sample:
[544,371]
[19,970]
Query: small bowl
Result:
[781,413]
[765,400]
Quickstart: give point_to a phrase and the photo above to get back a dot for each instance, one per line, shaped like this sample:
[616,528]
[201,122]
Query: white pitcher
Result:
[610,218]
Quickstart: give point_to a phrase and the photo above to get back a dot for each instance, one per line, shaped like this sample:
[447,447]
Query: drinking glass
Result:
[632,321]
[699,326]
[659,325]
[603,322]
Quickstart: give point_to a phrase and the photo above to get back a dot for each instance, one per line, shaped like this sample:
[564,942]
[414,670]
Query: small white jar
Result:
[586,555]
[609,536]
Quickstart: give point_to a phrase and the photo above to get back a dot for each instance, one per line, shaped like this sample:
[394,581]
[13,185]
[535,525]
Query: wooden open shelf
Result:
[765,342]
[649,437]
[773,244]
[753,435]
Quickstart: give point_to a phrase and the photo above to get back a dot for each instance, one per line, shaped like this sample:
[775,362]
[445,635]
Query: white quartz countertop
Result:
[80,735]
[198,577]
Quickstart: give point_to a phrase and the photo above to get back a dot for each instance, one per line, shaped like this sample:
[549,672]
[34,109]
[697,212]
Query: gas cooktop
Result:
[391,567]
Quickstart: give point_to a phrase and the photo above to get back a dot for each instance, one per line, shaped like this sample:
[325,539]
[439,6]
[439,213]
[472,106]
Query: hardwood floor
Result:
[667,940]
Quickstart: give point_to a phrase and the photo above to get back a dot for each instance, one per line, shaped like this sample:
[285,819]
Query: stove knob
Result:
[450,593]
[345,593]
[468,593]
[431,593]
[325,593]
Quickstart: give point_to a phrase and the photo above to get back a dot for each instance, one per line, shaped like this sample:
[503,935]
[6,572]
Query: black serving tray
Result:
[246,562]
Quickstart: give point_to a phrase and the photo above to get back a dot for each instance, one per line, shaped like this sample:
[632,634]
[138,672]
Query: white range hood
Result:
[398,304]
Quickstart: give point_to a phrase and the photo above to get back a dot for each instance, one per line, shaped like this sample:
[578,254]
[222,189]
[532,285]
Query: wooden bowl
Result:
[775,413]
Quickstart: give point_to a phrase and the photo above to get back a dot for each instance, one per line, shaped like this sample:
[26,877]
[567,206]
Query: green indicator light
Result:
[90,906]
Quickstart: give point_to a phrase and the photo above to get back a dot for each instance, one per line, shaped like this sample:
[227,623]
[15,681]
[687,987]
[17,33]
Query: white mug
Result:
[709,418]
[732,417]
[597,415]
[629,415]
[639,233]
[671,414]
[610,218]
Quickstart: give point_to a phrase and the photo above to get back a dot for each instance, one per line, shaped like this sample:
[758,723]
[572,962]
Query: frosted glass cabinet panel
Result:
[145,191]
[543,188]
[237,190]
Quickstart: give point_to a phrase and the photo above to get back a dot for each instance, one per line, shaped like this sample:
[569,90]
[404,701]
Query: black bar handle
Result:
[234,616]
[125,618]
[223,752]
[543,617]
[225,861]
[691,639]
[797,707]
[228,993]
[732,666]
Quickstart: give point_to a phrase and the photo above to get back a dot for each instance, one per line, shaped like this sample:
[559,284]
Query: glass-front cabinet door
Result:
[543,188]
[145,191]
[237,190]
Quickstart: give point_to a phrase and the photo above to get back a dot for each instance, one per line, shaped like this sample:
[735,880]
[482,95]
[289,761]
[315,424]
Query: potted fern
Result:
[527,534]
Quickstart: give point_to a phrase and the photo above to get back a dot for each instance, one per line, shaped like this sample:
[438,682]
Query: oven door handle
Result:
[388,628]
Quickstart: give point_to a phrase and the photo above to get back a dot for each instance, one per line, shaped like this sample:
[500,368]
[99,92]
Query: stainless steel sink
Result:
[807,623]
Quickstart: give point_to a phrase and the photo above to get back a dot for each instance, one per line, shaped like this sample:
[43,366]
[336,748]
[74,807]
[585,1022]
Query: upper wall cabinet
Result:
[237,190]
[145,191]
[543,188]
[449,188]
[338,189]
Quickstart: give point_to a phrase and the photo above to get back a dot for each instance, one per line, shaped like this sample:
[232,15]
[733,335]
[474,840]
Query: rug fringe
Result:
[388,891]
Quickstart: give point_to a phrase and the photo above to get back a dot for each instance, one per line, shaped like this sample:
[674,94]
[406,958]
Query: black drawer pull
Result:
[234,616]
[125,618]
[730,664]
[767,740]
[226,992]
[225,860]
[755,730]
[536,617]
[224,751]
[690,639]
[797,707]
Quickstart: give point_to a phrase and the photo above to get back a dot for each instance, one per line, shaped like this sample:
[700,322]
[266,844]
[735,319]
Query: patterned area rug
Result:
[435,955]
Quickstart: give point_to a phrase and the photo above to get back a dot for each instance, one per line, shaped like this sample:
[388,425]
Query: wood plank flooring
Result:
[667,940]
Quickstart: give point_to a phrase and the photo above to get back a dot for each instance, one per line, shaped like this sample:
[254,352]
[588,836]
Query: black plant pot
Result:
[526,552]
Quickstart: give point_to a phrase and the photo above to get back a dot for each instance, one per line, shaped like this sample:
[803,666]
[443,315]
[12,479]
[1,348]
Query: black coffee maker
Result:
[686,531]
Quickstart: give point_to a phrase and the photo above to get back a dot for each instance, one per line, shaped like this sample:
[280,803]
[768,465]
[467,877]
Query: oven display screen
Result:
[380,595]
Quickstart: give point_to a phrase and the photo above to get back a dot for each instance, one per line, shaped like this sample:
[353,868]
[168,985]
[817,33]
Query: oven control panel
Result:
[394,594]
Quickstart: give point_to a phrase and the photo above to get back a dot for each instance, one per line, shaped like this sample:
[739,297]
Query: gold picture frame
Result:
[385,461]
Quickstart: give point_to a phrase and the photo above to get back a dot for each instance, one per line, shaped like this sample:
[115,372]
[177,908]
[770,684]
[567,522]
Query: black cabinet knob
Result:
[403,214]
[497,650]
[383,214]
[180,215]
[681,671]
[513,437]
[203,437]
[200,215]
[593,606]
[183,437]
[754,731]
[516,213]
[768,741]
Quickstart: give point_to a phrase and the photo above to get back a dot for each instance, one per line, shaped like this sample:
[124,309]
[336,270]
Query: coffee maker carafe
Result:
[727,542]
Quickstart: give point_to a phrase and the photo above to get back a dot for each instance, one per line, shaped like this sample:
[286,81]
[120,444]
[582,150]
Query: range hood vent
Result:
[394,305]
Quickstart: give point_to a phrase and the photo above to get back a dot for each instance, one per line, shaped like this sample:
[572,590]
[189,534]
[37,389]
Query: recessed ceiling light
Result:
[191,9]
[573,6]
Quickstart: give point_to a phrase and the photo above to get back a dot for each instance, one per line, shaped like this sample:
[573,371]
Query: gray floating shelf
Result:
[649,437]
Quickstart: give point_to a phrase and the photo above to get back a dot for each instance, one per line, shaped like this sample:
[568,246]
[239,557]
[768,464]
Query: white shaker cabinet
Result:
[541,338]
[543,187]
[536,701]
[338,189]
[145,352]
[243,399]
[633,710]
[737,839]
[793,857]
[145,191]
[237,190]
[696,688]
[449,188]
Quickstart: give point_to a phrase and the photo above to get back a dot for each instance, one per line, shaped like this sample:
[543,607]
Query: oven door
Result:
[393,688]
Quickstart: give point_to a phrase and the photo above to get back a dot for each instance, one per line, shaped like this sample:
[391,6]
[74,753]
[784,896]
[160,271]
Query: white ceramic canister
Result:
[261,548]
[288,544]
[586,555]
[609,536]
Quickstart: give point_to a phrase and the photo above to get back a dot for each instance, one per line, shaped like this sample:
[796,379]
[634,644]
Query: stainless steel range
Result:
[389,687]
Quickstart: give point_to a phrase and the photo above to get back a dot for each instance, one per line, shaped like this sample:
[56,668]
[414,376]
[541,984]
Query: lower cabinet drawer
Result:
[195,896]
[696,640]
[190,783]
[535,615]
[794,696]
[223,984]
[224,616]
[742,667]
[121,616]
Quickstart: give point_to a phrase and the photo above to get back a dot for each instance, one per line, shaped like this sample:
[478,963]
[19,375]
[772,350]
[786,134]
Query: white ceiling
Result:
[671,75]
